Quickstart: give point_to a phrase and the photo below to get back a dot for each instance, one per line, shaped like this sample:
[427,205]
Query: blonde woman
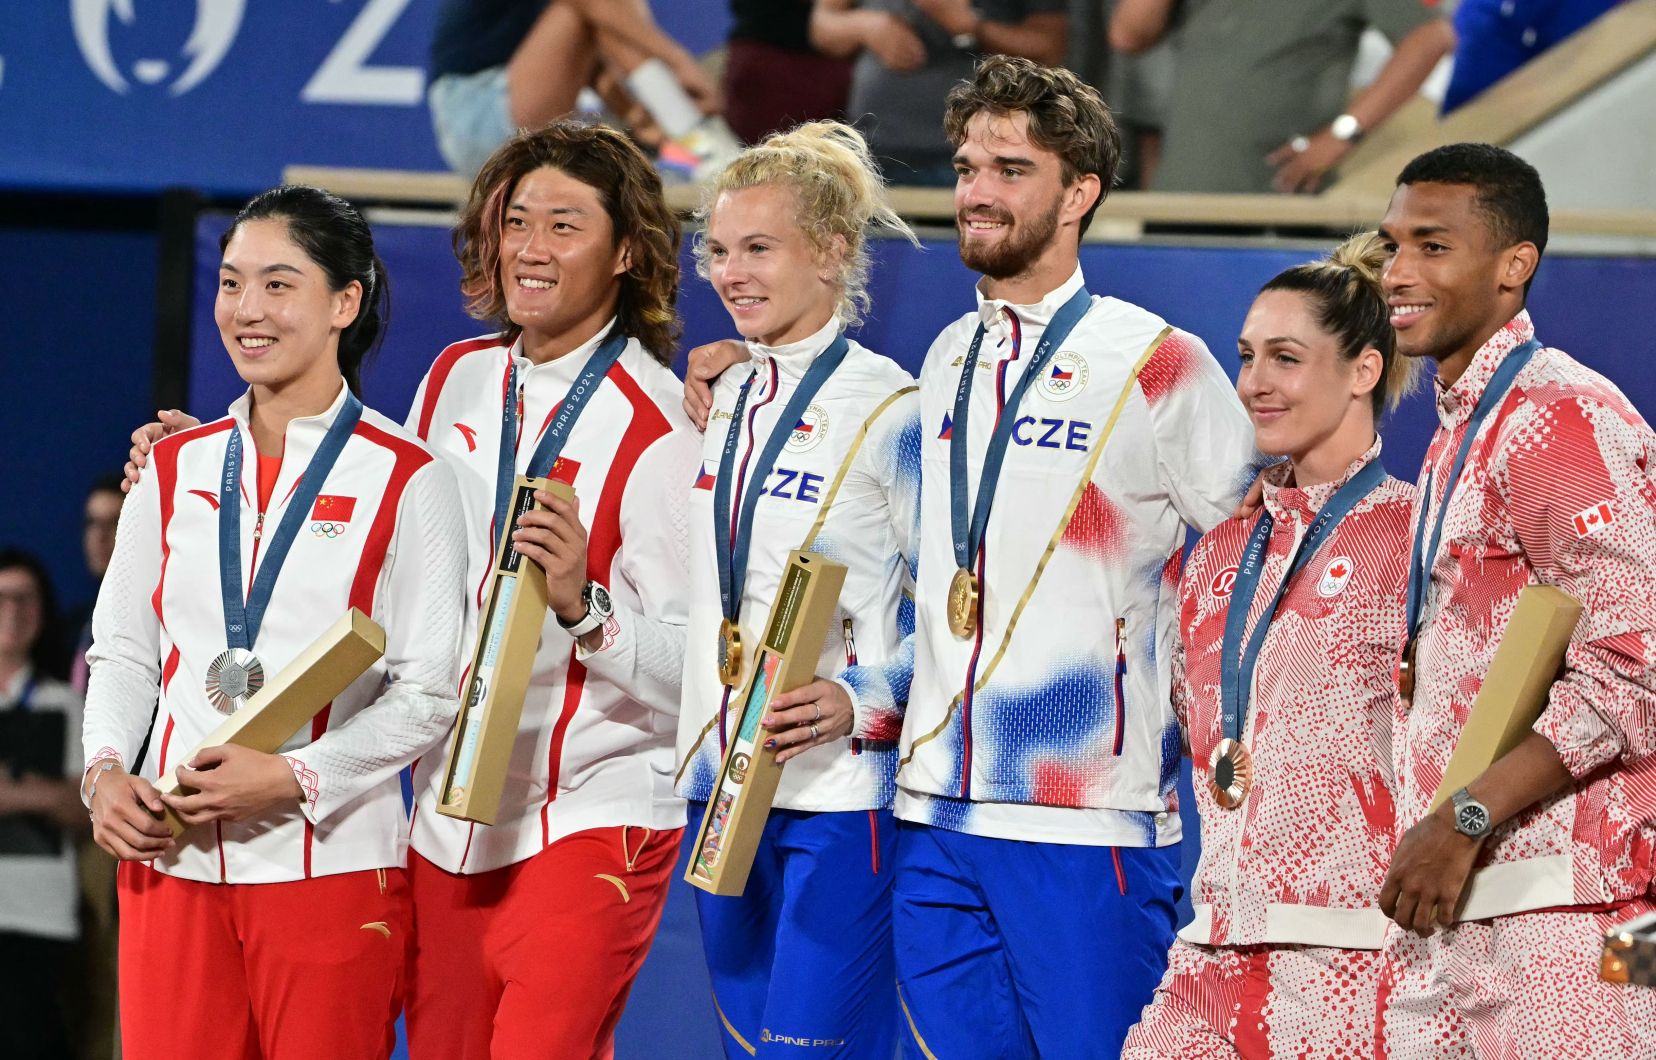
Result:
[813,442]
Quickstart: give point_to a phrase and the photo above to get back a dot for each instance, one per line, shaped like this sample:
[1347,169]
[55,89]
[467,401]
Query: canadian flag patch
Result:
[1590,521]
[1335,577]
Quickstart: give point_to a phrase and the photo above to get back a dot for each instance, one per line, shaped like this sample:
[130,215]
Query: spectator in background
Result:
[911,52]
[101,512]
[1137,86]
[773,78]
[40,814]
[502,65]
[92,1008]
[1261,92]
[1496,37]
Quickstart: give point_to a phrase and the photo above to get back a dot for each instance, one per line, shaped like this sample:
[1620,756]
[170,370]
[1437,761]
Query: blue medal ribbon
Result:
[1423,556]
[968,537]
[1236,664]
[551,443]
[242,618]
[733,560]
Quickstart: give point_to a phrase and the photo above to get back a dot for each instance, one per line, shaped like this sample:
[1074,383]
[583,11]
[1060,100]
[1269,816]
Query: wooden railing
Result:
[1124,215]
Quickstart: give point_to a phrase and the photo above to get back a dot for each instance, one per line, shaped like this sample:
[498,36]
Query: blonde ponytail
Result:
[838,192]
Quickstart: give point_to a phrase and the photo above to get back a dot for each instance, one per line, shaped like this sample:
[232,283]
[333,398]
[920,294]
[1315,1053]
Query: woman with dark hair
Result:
[277,924]
[531,930]
[1283,684]
[39,817]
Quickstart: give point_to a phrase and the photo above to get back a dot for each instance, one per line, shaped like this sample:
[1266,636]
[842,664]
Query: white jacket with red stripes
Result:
[385,538]
[595,744]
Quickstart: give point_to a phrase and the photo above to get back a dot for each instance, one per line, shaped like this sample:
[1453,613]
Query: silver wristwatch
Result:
[1346,128]
[599,609]
[1471,816]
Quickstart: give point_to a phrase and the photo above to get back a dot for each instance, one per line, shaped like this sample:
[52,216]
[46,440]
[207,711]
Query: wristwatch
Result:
[1471,816]
[1346,129]
[599,609]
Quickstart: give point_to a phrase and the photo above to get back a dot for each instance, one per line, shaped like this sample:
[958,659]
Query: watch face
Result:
[1472,819]
[598,598]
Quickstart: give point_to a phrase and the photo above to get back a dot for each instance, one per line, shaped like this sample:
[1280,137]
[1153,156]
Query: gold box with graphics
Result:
[785,659]
[1515,689]
[491,704]
[297,694]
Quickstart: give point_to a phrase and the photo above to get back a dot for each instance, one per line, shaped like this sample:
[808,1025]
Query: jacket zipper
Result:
[1120,685]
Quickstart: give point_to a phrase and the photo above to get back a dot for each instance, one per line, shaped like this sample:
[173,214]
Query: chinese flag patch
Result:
[1590,521]
[564,470]
[331,508]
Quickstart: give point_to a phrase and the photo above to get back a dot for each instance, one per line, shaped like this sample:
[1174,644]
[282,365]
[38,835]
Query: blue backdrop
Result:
[221,94]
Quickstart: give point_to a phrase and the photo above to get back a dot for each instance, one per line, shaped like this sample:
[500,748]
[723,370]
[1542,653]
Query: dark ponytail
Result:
[332,234]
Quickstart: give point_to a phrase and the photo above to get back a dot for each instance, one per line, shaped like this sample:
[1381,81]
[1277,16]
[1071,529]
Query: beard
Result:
[1014,254]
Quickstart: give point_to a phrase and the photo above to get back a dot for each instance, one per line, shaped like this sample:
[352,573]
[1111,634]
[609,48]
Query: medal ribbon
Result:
[1423,556]
[242,618]
[551,443]
[733,560]
[1236,665]
[968,537]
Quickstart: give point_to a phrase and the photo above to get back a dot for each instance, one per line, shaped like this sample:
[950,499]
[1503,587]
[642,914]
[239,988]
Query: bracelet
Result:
[92,792]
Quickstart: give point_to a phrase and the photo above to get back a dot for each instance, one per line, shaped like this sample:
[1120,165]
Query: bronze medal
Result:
[963,603]
[233,676]
[730,652]
[1230,773]
[1406,672]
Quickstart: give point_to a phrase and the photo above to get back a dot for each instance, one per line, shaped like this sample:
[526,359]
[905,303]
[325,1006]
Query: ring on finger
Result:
[814,734]
[818,712]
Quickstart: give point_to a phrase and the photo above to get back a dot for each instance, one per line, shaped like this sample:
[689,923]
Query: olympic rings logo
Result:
[329,530]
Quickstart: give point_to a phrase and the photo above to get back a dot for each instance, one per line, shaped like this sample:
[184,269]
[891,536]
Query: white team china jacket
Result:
[595,744]
[384,536]
[864,422]
[1053,723]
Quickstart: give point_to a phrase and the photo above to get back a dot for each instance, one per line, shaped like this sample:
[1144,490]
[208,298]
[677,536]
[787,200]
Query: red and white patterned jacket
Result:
[1557,490]
[1302,859]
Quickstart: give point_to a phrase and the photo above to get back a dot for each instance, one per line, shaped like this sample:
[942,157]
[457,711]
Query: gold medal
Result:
[1230,773]
[963,603]
[730,652]
[1406,672]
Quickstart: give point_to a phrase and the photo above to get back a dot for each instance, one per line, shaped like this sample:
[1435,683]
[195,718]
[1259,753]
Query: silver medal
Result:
[233,678]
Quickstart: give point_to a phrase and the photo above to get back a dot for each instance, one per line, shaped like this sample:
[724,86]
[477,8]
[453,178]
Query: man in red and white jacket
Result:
[531,930]
[1502,895]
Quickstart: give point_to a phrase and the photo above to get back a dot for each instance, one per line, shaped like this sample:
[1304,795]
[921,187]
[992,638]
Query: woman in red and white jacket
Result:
[1283,683]
[278,923]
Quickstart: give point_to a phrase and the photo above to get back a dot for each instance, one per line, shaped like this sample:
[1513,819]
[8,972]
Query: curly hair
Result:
[1066,116]
[838,191]
[1349,304]
[629,189]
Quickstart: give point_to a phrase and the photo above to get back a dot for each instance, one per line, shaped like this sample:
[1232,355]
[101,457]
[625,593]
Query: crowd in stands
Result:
[1233,96]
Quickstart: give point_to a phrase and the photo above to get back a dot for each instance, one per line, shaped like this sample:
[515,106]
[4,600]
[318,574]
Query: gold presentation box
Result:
[785,659]
[1515,689]
[296,695]
[508,636]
